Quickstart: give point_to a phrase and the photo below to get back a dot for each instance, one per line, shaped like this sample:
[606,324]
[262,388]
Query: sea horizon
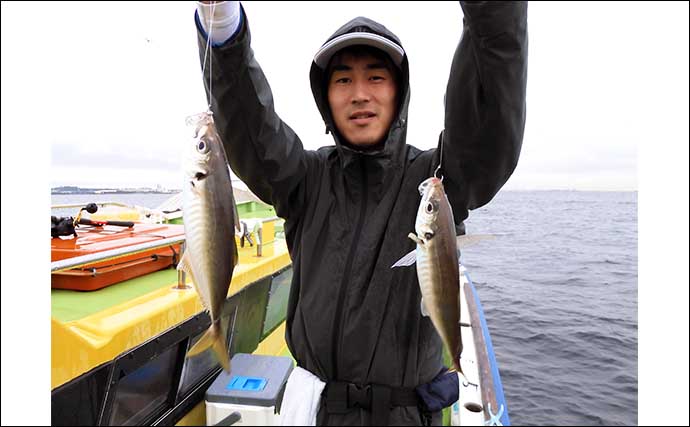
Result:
[165,190]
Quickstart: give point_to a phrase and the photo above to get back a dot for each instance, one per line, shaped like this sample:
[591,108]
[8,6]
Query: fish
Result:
[437,257]
[210,222]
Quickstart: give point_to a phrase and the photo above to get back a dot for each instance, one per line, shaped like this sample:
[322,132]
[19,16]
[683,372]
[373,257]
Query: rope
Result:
[494,419]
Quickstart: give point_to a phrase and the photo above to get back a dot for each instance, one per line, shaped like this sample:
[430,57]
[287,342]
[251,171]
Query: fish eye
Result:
[202,147]
[428,235]
[429,207]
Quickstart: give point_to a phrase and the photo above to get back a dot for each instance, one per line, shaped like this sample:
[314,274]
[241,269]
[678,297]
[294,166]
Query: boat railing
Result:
[112,254]
[152,216]
[255,227]
[99,204]
[80,261]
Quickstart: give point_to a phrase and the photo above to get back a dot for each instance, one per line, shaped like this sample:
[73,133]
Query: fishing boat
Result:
[118,351]
[482,401]
[119,343]
[103,236]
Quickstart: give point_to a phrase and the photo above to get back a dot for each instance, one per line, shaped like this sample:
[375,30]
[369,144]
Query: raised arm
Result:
[261,149]
[485,103]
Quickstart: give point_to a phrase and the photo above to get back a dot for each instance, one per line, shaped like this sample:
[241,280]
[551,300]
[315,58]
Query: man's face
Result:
[362,96]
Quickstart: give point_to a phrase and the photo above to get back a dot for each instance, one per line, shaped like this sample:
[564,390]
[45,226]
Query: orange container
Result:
[94,239]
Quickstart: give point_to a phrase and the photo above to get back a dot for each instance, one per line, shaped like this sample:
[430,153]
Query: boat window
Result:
[196,368]
[141,393]
[277,301]
[79,402]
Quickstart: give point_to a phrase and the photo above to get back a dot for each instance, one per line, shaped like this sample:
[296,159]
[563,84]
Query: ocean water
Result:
[147,200]
[559,290]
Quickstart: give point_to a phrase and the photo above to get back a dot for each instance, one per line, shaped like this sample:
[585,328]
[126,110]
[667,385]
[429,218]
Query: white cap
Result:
[324,54]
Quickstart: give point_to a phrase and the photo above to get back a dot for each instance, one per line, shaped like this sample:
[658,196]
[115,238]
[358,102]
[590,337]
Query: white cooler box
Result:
[253,389]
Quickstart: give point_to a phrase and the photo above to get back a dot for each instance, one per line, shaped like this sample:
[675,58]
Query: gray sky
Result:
[107,86]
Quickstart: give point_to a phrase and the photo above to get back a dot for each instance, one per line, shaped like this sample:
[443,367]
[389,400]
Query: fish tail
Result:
[213,337]
[220,347]
[456,368]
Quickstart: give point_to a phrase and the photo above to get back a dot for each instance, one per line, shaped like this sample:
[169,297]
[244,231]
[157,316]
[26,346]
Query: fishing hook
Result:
[436,172]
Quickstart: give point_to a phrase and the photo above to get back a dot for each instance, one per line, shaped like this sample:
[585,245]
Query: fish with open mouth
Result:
[210,220]
[436,256]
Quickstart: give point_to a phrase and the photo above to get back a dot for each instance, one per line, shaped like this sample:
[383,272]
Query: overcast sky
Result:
[105,87]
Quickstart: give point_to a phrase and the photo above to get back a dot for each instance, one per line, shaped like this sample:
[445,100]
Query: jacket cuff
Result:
[488,18]
[223,19]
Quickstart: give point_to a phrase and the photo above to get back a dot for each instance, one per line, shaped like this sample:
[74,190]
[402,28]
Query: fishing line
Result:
[206,52]
[440,160]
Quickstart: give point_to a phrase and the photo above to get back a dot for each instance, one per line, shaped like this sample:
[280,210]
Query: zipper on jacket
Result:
[346,275]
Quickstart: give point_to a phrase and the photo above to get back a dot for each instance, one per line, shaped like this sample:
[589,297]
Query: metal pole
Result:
[80,261]
[181,275]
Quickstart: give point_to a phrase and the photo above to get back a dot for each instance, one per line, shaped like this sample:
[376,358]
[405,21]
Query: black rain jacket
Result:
[347,213]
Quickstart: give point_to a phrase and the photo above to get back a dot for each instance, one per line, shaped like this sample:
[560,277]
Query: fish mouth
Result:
[427,184]
[197,178]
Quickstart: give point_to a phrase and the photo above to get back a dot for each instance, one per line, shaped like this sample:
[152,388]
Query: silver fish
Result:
[210,219]
[436,255]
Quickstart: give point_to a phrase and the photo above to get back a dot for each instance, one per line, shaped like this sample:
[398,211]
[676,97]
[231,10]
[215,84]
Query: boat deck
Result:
[106,322]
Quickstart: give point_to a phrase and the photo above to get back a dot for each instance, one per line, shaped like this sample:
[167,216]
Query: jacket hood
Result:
[395,141]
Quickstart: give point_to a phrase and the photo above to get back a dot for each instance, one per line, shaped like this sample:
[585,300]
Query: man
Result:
[352,321]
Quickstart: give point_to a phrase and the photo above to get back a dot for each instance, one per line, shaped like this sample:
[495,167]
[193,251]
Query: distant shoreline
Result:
[113,192]
[105,191]
[54,192]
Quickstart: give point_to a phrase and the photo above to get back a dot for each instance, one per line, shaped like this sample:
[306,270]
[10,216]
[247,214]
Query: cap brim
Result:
[324,54]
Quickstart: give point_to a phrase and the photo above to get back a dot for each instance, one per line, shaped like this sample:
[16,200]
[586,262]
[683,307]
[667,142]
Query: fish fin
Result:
[237,255]
[407,260]
[466,240]
[220,348]
[415,239]
[235,217]
[422,308]
[214,338]
[460,311]
[456,369]
[203,344]
[235,214]
[185,265]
